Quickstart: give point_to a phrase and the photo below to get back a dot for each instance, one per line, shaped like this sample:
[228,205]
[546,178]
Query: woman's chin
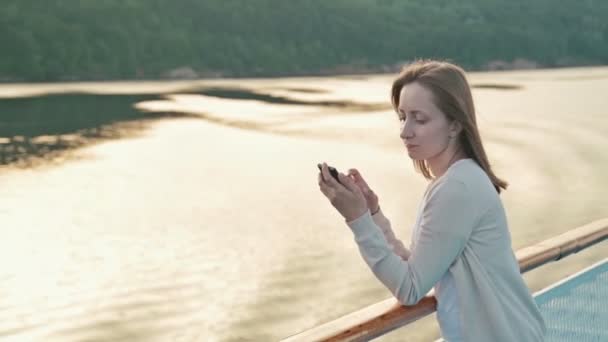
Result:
[413,155]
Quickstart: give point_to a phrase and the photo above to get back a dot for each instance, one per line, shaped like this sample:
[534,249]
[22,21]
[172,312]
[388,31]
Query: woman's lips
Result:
[410,146]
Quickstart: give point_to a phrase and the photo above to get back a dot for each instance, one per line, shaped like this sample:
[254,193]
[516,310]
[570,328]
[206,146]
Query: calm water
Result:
[210,226]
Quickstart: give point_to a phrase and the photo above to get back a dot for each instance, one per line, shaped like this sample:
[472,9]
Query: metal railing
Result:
[385,316]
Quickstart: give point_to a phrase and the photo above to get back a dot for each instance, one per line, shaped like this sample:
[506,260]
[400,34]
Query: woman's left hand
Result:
[347,198]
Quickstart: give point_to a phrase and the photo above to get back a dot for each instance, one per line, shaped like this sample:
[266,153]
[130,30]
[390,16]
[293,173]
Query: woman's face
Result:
[425,130]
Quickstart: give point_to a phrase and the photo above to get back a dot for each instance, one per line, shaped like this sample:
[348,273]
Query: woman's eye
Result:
[419,121]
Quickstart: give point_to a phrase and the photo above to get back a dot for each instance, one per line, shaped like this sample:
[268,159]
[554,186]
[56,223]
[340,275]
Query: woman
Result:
[461,244]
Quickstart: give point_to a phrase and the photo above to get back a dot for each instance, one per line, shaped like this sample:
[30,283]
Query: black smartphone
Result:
[332,171]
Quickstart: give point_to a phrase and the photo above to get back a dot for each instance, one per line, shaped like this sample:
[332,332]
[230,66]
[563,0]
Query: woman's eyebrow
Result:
[414,111]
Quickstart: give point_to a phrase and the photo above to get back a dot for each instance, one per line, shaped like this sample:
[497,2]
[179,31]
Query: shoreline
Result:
[496,66]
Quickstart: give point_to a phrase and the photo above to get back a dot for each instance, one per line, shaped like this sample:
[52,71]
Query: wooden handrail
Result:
[561,246]
[380,318]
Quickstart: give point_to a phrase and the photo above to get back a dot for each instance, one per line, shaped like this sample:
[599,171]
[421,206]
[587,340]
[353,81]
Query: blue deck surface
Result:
[576,309]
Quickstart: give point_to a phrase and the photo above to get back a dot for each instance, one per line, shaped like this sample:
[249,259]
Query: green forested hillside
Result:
[127,39]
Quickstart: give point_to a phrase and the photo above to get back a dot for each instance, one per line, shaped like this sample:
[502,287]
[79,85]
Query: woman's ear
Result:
[455,129]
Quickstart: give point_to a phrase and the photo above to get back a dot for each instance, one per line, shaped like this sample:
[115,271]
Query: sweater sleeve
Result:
[447,221]
[395,244]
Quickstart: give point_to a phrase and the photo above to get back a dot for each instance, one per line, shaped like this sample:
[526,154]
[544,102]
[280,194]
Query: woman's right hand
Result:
[369,194]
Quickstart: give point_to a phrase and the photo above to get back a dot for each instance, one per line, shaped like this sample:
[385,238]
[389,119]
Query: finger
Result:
[357,175]
[321,170]
[327,191]
[329,180]
[357,183]
[365,187]
[353,172]
[360,182]
[324,190]
[348,183]
[321,182]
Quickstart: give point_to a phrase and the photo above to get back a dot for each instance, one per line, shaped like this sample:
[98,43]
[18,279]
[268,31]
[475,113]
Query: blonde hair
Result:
[452,95]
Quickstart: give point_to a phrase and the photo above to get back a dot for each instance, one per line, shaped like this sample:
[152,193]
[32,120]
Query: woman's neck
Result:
[440,164]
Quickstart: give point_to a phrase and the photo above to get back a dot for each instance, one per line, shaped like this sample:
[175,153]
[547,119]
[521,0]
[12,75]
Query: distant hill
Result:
[148,39]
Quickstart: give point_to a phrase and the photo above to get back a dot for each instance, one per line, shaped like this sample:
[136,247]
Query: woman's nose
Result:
[406,131]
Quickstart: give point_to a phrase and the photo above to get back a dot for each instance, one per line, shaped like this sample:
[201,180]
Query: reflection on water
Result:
[33,130]
[212,228]
[236,94]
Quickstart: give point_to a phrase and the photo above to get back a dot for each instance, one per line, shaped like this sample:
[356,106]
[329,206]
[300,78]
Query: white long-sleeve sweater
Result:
[462,230]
